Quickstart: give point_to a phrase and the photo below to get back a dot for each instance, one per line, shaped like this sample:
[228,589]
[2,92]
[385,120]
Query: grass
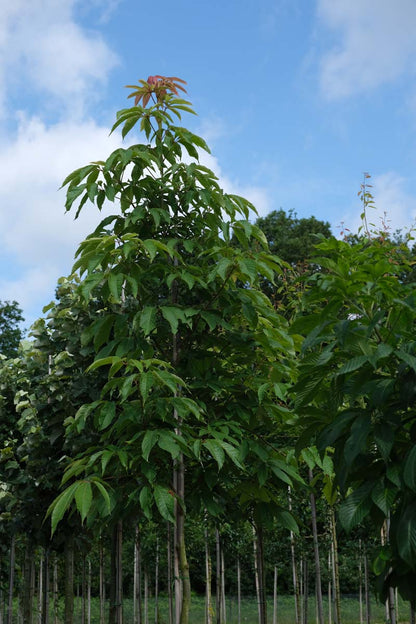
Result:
[350,611]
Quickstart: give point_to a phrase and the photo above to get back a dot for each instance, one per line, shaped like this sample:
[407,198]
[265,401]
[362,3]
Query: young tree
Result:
[197,358]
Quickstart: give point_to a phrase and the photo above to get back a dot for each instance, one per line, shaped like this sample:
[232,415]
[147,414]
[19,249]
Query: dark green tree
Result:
[290,237]
[10,332]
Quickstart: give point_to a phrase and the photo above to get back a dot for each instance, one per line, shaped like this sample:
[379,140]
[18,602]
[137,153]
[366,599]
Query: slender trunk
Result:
[102,583]
[218,597]
[180,554]
[360,581]
[238,591]
[9,618]
[1,599]
[69,581]
[146,597]
[223,605]
[169,562]
[256,573]
[335,566]
[137,584]
[157,582]
[55,590]
[89,593]
[83,592]
[261,576]
[208,577]
[329,588]
[295,576]
[305,590]
[318,582]
[366,589]
[116,579]
[27,584]
[45,608]
[396,602]
[40,590]
[275,595]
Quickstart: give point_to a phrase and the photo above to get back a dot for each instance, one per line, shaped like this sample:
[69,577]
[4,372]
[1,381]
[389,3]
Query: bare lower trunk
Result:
[169,562]
[146,597]
[157,582]
[137,582]
[275,596]
[218,597]
[261,576]
[40,590]
[318,584]
[102,584]
[238,591]
[9,618]
[335,566]
[295,577]
[28,585]
[183,594]
[55,592]
[116,581]
[89,593]
[223,605]
[83,592]
[329,588]
[305,583]
[208,578]
[367,589]
[69,581]
[360,581]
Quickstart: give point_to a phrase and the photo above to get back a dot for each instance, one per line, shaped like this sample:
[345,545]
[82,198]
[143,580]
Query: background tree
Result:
[10,332]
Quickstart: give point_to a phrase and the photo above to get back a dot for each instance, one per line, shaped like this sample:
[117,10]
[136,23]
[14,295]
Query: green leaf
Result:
[409,469]
[173,315]
[353,364]
[61,504]
[104,494]
[287,521]
[165,502]
[167,443]
[83,498]
[148,319]
[356,507]
[216,451]
[233,453]
[149,440]
[406,535]
[146,500]
[383,497]
[406,357]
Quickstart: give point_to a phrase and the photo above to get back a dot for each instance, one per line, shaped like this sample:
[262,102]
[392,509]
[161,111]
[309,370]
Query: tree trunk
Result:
[256,573]
[261,576]
[89,593]
[295,576]
[360,581]
[318,582]
[83,592]
[330,587]
[218,596]
[137,581]
[183,588]
[223,605]
[157,582]
[28,584]
[116,581]
[169,562]
[335,566]
[146,597]
[305,578]
[275,595]
[55,592]
[208,578]
[238,591]
[40,590]
[367,589]
[69,581]
[413,612]
[102,584]
[9,619]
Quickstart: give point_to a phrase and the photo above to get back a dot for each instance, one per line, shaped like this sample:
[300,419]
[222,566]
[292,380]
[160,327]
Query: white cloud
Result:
[44,50]
[395,207]
[34,231]
[376,44]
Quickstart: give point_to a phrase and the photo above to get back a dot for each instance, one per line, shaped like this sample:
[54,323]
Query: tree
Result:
[10,332]
[290,237]
[197,358]
[356,391]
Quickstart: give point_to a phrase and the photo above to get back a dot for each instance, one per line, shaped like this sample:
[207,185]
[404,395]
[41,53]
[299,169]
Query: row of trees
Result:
[185,371]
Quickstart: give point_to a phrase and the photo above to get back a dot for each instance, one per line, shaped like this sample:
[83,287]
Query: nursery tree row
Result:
[186,374]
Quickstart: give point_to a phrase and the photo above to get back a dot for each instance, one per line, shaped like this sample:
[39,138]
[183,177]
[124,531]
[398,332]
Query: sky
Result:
[296,99]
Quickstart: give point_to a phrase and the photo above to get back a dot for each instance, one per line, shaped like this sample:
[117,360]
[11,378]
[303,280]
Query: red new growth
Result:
[157,86]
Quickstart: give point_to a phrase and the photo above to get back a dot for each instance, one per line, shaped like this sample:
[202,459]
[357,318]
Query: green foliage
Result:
[10,332]
[357,382]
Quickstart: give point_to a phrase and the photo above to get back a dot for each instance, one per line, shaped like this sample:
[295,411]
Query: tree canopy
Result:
[10,332]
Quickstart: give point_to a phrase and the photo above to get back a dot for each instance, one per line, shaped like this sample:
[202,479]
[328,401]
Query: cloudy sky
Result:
[297,98]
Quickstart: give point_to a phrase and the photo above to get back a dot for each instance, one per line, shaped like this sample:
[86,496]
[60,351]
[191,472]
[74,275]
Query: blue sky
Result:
[296,98]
